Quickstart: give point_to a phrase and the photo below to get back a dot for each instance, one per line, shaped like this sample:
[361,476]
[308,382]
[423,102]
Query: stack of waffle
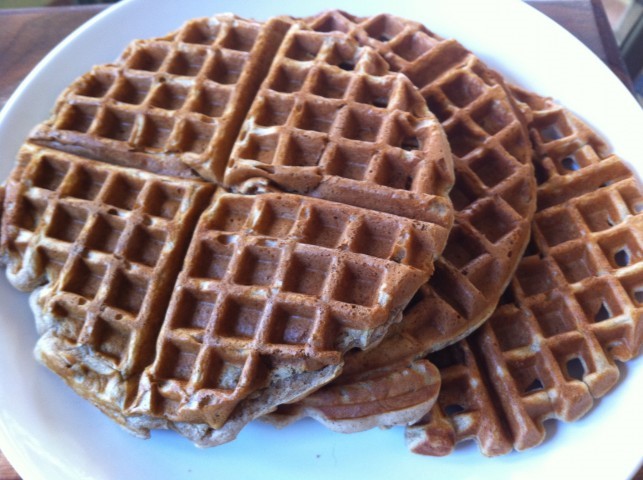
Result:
[319,217]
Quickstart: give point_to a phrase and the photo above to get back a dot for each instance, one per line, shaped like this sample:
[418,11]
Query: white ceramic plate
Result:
[49,433]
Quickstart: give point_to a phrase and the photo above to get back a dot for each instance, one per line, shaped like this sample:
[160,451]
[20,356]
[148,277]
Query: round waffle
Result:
[494,197]
[258,297]
[573,307]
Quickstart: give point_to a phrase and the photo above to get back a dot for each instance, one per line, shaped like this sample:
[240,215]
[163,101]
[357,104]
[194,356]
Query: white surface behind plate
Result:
[49,433]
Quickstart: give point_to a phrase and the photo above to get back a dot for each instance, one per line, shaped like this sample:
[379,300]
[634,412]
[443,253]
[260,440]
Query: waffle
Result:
[263,300]
[100,247]
[572,309]
[264,294]
[171,105]
[154,96]
[330,121]
[261,296]
[494,192]
[494,197]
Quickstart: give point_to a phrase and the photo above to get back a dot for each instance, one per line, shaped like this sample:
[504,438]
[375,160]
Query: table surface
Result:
[27,35]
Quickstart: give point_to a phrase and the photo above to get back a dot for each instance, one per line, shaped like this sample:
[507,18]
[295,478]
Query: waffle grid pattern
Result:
[494,190]
[331,122]
[330,108]
[494,198]
[401,42]
[573,307]
[255,316]
[99,235]
[176,101]
[262,281]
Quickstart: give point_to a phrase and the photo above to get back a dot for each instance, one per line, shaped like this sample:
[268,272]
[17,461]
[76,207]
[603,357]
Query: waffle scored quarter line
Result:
[494,197]
[241,302]
[573,307]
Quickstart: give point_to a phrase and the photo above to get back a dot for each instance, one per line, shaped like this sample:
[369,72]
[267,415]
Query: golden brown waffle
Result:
[275,288]
[104,245]
[494,197]
[266,298]
[2,193]
[154,97]
[573,307]
[494,193]
[331,121]
[264,294]
[170,104]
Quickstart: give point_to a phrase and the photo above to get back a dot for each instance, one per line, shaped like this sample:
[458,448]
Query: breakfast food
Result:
[494,192]
[265,307]
[330,122]
[99,246]
[170,105]
[389,156]
[494,197]
[245,219]
[572,310]
[252,296]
